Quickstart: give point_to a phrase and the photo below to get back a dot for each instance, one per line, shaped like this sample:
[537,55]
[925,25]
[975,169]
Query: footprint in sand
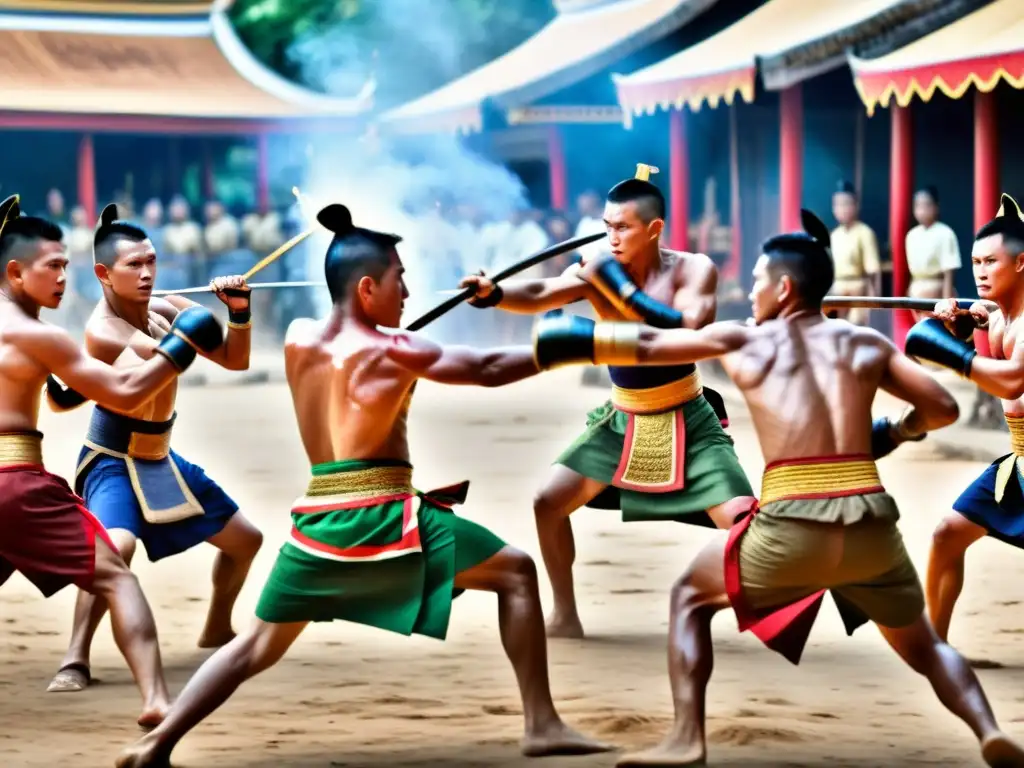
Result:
[611,725]
[985,664]
[777,702]
[744,735]
[631,591]
[599,562]
[501,709]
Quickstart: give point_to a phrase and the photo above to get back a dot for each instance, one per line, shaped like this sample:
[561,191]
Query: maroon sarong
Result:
[46,533]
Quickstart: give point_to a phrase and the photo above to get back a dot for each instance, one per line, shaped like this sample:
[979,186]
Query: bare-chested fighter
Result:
[824,521]
[138,487]
[46,532]
[365,546]
[993,505]
[657,450]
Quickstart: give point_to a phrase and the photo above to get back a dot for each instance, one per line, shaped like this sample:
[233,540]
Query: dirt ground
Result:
[351,696]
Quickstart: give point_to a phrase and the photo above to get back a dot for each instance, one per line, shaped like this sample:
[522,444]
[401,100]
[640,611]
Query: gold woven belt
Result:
[369,483]
[20,448]
[819,479]
[658,399]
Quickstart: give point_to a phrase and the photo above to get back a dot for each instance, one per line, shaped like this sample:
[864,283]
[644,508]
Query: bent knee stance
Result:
[955,534]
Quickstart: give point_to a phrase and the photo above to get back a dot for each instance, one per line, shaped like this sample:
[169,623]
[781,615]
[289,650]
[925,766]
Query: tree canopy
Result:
[336,45]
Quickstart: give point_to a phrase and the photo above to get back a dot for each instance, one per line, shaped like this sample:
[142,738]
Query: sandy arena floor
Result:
[351,696]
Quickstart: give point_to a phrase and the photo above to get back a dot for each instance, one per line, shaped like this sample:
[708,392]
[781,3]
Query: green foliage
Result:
[310,41]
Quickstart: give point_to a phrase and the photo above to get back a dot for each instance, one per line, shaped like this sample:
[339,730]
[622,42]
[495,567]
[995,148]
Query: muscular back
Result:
[350,399]
[810,384]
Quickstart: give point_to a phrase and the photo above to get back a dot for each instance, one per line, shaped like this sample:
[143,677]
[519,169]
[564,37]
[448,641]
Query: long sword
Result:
[895,302]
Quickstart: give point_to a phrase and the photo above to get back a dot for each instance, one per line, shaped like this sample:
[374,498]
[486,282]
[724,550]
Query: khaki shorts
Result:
[864,564]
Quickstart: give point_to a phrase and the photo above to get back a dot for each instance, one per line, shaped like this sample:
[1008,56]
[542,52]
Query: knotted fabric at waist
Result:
[116,434]
[665,397]
[819,478]
[19,448]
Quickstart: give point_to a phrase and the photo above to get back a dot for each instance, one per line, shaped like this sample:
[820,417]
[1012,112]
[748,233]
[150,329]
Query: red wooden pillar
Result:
[678,182]
[901,191]
[732,266]
[557,169]
[87,177]
[791,157]
[263,172]
[986,177]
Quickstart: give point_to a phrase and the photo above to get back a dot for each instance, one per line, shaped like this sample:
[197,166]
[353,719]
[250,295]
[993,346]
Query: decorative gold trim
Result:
[18,449]
[149,447]
[616,343]
[658,399]
[376,481]
[240,326]
[818,479]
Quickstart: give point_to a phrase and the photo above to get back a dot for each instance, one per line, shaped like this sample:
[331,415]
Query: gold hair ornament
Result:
[12,203]
[644,171]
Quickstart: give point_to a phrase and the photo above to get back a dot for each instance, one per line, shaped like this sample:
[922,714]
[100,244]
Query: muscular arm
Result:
[932,406]
[682,345]
[462,365]
[529,297]
[122,389]
[233,354]
[698,299]
[1002,378]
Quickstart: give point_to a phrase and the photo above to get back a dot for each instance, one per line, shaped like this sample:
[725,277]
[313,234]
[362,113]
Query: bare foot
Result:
[153,715]
[143,755]
[566,627]
[1000,751]
[560,739]
[676,755]
[215,638]
[70,678]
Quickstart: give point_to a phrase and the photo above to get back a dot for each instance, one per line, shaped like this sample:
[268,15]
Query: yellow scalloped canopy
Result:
[982,49]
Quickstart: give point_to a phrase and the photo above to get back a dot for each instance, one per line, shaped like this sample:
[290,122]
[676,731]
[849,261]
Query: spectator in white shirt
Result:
[933,253]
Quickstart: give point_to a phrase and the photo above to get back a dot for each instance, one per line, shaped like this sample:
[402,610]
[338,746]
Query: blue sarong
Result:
[131,480]
[1000,512]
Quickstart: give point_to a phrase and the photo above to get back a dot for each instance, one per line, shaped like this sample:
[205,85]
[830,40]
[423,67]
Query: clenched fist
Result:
[480,283]
[235,293]
[961,322]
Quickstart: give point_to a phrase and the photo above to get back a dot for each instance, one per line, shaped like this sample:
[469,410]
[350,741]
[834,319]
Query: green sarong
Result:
[710,471]
[366,547]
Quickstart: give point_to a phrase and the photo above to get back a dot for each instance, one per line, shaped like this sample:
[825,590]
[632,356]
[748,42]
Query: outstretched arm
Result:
[462,365]
[570,339]
[122,389]
[931,405]
[528,297]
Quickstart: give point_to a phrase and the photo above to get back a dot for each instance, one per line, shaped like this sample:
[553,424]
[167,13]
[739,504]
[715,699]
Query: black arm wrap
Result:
[492,299]
[654,312]
[240,317]
[614,280]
